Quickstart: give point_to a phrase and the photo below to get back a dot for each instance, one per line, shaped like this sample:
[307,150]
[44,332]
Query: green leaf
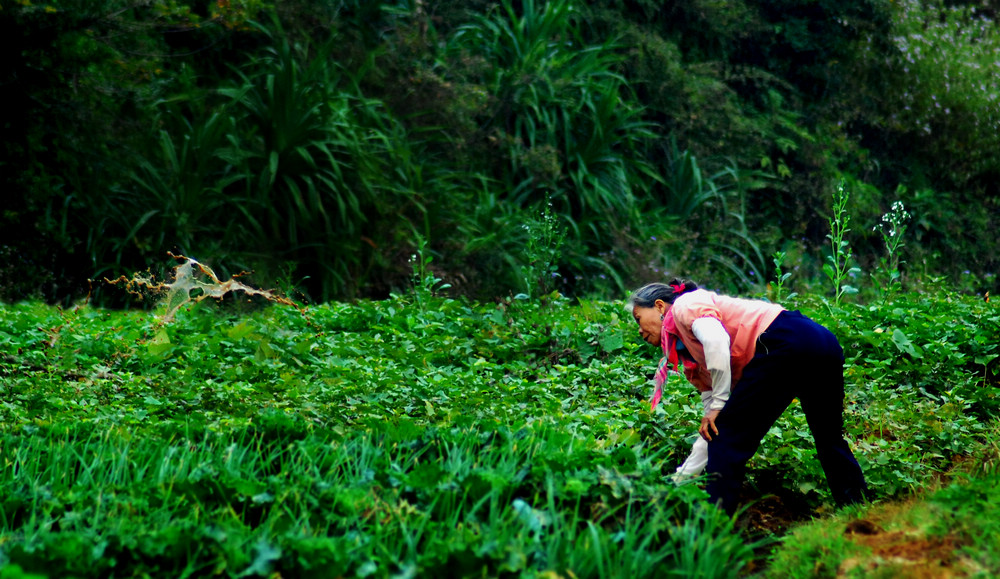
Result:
[611,341]
[905,345]
[266,554]
[160,344]
[241,331]
[984,360]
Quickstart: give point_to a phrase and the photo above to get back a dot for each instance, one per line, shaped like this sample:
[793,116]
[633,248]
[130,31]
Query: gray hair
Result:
[646,296]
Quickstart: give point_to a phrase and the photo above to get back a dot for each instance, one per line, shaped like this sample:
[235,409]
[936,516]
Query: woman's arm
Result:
[715,341]
[698,459]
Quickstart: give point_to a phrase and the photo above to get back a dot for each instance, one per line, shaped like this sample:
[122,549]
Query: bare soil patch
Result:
[905,551]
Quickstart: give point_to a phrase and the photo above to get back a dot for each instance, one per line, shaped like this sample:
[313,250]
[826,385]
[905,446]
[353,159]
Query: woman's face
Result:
[650,321]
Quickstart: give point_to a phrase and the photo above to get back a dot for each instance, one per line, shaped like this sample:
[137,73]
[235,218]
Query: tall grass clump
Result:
[290,164]
[698,222]
[561,125]
[280,497]
[313,161]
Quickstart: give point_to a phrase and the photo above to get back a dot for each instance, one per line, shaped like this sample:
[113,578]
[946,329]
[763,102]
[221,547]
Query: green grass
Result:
[379,439]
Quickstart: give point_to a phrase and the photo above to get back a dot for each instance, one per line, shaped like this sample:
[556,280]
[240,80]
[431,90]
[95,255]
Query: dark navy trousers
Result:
[795,358]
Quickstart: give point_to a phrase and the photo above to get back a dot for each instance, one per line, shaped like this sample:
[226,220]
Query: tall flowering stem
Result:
[838,267]
[892,227]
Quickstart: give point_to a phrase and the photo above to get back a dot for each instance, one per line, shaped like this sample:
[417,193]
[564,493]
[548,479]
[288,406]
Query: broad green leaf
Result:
[611,341]
[904,344]
[160,344]
[240,331]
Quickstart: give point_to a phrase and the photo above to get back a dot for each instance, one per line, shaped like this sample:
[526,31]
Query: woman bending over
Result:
[749,359]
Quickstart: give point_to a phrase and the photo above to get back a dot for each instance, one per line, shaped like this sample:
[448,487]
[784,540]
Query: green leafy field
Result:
[445,438]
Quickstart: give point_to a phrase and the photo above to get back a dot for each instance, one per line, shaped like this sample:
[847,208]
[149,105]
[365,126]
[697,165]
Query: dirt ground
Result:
[905,551]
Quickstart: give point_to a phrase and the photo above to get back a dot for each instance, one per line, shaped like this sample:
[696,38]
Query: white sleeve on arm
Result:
[715,340]
[695,462]
[698,459]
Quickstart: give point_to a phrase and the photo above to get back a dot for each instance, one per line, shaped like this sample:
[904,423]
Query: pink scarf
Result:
[668,341]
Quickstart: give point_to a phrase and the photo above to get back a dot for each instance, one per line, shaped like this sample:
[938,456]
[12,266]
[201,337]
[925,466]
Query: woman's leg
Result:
[794,357]
[843,473]
[823,403]
[754,405]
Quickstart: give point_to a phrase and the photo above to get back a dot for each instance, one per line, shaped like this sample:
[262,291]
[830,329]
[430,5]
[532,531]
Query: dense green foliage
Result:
[316,143]
[423,434]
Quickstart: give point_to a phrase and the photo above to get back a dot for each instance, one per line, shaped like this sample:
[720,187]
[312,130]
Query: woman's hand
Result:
[708,425]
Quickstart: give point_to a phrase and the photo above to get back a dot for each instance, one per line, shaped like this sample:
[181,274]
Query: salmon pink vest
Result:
[744,320]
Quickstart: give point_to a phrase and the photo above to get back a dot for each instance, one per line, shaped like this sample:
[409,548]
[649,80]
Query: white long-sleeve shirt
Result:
[715,340]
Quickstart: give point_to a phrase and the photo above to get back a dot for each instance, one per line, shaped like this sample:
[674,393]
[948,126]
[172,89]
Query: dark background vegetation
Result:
[317,143]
